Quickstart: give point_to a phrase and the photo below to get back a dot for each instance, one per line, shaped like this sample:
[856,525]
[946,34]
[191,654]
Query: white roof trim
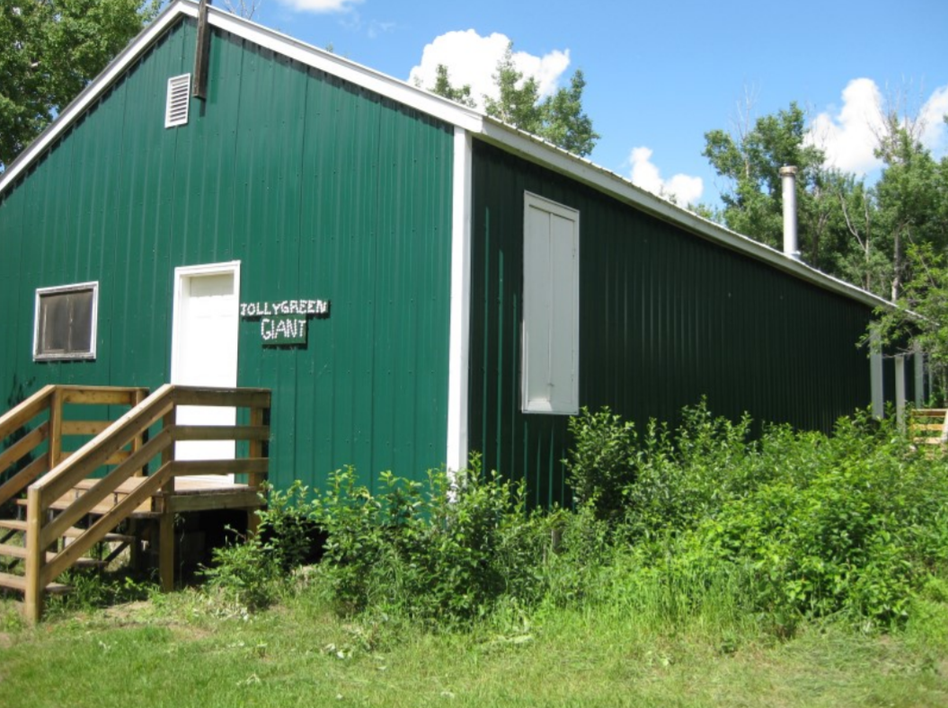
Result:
[536,150]
[420,99]
[306,54]
[92,92]
[511,139]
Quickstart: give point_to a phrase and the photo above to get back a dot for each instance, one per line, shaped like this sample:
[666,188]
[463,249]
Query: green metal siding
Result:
[320,189]
[666,317]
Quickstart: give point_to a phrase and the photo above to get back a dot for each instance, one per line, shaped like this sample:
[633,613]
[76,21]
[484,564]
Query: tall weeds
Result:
[698,523]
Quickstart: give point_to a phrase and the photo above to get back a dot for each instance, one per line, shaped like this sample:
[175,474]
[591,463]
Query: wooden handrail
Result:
[94,453]
[929,426]
[49,400]
[159,408]
[22,414]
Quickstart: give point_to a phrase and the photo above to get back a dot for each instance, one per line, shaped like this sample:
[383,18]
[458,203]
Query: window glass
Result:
[65,322]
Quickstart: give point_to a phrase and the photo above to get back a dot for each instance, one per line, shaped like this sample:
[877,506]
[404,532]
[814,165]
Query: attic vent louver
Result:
[179,99]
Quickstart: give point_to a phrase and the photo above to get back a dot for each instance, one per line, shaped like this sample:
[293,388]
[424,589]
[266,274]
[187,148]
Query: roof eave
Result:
[493,131]
[543,153]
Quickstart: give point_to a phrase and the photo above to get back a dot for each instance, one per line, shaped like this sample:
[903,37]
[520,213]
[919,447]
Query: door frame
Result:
[181,275]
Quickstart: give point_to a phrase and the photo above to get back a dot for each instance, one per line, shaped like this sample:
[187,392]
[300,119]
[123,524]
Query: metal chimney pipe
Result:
[790,246]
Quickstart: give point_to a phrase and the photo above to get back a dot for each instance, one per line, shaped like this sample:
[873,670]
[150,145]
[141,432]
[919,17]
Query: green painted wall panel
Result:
[665,318]
[320,189]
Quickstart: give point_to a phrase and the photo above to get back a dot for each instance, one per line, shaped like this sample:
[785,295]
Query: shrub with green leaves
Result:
[251,569]
[852,533]
[447,550]
[601,461]
[697,521]
[809,524]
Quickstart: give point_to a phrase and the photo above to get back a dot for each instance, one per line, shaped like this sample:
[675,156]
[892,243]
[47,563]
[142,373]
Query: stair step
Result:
[100,509]
[71,532]
[18,583]
[20,552]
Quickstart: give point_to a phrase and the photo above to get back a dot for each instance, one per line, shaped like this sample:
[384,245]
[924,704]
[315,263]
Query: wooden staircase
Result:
[929,426]
[125,471]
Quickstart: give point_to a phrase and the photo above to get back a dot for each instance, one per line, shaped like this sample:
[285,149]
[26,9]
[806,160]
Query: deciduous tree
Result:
[751,159]
[558,118]
[49,51]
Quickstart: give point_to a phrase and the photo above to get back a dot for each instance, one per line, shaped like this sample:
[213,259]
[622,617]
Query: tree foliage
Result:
[890,238]
[912,197]
[558,118]
[49,51]
[846,228]
[443,87]
[751,162]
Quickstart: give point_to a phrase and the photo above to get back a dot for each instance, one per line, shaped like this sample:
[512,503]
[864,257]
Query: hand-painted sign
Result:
[284,321]
[282,330]
[275,308]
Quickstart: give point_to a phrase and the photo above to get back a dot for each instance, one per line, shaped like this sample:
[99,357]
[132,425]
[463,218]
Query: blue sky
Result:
[659,75]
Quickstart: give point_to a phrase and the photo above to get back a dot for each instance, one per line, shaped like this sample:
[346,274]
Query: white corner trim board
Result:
[459,348]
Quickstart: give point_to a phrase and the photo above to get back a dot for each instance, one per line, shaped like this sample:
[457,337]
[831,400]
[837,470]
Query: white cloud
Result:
[684,189]
[472,59]
[934,131]
[320,6]
[850,137]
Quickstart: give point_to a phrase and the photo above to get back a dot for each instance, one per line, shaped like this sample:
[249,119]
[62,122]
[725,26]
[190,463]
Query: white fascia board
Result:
[411,96]
[96,88]
[404,93]
[538,151]
[459,347]
[491,130]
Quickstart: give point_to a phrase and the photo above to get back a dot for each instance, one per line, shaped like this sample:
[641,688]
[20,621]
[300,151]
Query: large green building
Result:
[413,280]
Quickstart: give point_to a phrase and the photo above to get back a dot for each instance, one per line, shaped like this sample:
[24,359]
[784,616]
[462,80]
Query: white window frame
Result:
[94,323]
[550,326]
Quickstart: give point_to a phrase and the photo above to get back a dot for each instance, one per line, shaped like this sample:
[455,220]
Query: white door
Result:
[204,349]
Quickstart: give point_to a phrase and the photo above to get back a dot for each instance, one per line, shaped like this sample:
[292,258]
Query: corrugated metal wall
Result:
[665,318]
[319,188]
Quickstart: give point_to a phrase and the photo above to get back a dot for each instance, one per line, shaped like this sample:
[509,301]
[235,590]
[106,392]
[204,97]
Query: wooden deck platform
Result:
[189,495]
[78,497]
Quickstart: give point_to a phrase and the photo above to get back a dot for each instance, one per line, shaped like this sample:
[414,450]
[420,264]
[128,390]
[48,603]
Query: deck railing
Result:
[929,426]
[154,418]
[40,420]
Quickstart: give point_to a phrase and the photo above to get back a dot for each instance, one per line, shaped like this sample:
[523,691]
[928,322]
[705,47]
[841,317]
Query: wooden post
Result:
[876,372]
[166,550]
[166,520]
[900,390]
[255,480]
[35,555]
[55,427]
[137,396]
[918,361]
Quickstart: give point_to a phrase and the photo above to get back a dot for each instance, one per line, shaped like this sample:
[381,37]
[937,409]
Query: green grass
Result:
[191,649]
[798,570]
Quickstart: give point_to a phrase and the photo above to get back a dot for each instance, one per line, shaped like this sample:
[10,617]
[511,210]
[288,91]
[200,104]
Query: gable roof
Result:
[478,124]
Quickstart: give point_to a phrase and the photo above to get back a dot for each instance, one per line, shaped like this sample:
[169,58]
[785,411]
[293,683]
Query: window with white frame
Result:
[65,322]
[550,365]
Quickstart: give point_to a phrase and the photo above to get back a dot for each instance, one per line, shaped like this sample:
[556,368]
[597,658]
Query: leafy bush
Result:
[807,524]
[700,521]
[855,533]
[445,551]
[601,462]
[251,570]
